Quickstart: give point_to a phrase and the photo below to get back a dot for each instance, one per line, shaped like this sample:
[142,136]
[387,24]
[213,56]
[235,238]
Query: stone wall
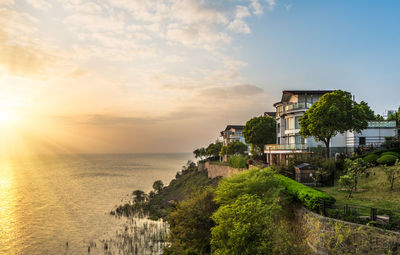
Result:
[330,236]
[217,170]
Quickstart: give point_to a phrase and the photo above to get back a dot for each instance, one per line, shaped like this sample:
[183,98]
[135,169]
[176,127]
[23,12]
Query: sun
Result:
[8,118]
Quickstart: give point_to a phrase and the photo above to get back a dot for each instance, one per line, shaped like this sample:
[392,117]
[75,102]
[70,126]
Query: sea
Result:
[60,204]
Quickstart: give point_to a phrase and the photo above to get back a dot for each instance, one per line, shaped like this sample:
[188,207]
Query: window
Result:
[361,140]
[292,140]
[299,139]
[297,124]
[289,123]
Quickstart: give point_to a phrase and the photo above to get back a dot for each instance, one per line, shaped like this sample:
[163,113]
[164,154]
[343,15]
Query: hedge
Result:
[238,161]
[391,153]
[371,158]
[387,160]
[309,197]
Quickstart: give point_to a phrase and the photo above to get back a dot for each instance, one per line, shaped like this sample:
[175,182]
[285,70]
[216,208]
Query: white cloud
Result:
[256,7]
[288,7]
[238,25]
[271,4]
[39,4]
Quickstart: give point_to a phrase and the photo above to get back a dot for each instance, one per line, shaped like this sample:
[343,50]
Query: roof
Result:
[272,114]
[287,93]
[234,127]
[305,166]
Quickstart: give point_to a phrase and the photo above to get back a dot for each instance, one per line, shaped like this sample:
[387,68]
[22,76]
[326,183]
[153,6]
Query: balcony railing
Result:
[292,107]
[277,147]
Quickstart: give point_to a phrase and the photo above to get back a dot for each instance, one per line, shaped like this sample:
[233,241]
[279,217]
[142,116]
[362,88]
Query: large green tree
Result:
[260,131]
[236,148]
[200,153]
[369,113]
[214,149]
[190,224]
[332,114]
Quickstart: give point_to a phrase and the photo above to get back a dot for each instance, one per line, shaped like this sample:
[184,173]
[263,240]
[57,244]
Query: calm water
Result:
[48,201]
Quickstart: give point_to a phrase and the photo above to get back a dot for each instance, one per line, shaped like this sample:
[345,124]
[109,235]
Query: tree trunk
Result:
[327,149]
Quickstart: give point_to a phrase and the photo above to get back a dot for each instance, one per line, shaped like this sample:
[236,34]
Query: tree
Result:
[190,224]
[214,149]
[200,153]
[140,196]
[260,131]
[224,151]
[357,168]
[347,181]
[392,173]
[369,113]
[158,186]
[333,113]
[236,148]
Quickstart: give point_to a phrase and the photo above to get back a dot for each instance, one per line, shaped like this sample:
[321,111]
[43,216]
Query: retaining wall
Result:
[216,170]
[330,236]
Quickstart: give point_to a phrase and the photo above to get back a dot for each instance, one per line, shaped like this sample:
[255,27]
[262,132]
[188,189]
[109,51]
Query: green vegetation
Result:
[391,153]
[374,191]
[371,158]
[156,205]
[214,149]
[258,132]
[190,224]
[387,160]
[333,113]
[309,197]
[238,161]
[392,173]
[253,216]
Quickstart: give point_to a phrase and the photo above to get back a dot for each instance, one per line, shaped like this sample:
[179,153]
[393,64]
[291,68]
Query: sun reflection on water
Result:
[7,210]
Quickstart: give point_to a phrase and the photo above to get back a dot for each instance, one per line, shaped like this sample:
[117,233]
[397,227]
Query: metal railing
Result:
[378,217]
[275,147]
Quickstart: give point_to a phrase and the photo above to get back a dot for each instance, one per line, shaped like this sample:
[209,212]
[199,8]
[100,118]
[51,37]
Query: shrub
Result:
[237,161]
[391,153]
[309,197]
[387,160]
[371,158]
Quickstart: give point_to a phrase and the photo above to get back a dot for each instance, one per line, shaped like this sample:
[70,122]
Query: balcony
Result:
[285,147]
[292,107]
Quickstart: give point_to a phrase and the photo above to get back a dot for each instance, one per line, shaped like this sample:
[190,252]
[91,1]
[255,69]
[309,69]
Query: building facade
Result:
[292,106]
[232,133]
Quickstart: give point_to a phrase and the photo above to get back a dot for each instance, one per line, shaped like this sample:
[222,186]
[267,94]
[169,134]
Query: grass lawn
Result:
[375,192]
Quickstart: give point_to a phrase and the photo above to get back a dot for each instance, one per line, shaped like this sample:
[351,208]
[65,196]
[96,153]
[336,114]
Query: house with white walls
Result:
[292,106]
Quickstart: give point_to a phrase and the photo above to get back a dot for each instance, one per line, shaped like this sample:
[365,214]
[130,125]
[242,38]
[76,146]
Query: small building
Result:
[232,133]
[305,173]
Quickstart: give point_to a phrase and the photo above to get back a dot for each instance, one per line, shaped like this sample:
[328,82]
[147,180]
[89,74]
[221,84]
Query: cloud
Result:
[237,91]
[256,7]
[39,4]
[271,4]
[238,25]
[288,7]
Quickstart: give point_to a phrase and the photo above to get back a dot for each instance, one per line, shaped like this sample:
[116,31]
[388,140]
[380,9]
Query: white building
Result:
[232,133]
[288,141]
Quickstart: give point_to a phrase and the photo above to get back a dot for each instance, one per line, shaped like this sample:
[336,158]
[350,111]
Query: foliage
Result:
[260,131]
[356,169]
[333,113]
[391,143]
[213,149]
[140,196]
[237,161]
[387,160]
[371,158]
[236,148]
[252,216]
[158,186]
[347,181]
[391,153]
[394,116]
[369,113]
[224,151]
[245,226]
[309,197]
[255,181]
[200,153]
[392,173]
[190,224]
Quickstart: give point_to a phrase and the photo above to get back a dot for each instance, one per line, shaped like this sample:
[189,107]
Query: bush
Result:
[238,161]
[391,153]
[387,160]
[309,197]
[371,158]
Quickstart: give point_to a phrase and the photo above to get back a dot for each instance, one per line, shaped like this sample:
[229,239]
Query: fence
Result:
[378,217]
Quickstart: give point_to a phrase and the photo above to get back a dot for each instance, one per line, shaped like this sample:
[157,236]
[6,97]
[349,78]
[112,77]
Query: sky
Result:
[120,76]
